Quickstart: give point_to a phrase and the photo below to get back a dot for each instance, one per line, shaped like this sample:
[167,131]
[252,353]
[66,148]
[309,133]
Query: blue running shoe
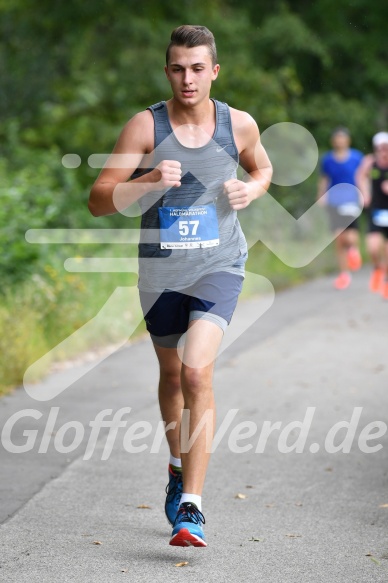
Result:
[174,492]
[187,531]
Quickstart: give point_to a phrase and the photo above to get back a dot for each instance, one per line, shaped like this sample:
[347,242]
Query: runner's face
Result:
[381,153]
[340,141]
[190,72]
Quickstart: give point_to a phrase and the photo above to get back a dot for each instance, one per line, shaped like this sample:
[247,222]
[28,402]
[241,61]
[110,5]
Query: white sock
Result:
[175,461]
[193,498]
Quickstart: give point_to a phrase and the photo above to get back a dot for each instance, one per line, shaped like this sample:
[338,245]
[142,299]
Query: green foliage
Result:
[23,343]
[39,313]
[72,73]
[36,191]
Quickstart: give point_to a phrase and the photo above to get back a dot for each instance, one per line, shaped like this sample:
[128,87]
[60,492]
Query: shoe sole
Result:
[185,538]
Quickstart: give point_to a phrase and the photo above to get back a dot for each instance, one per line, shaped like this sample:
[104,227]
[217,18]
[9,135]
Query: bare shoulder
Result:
[242,121]
[143,118]
[139,130]
[245,130]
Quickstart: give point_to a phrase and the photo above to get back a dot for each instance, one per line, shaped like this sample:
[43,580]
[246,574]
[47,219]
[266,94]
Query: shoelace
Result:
[190,513]
[174,487]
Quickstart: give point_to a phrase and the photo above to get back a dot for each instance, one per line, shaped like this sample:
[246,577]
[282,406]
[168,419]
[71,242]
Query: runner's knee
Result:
[170,380]
[196,380]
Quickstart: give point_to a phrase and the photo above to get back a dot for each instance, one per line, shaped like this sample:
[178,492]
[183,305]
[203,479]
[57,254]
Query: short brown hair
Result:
[191,36]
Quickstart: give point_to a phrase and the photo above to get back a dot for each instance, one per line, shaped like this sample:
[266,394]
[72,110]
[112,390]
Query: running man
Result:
[372,179]
[192,252]
[339,166]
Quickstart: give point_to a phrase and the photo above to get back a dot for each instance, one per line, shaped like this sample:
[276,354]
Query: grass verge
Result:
[54,304]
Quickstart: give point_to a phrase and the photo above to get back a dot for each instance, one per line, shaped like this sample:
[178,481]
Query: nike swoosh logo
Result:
[220,149]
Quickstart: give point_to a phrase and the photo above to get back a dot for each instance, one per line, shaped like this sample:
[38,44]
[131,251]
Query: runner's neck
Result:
[341,154]
[195,126]
[202,115]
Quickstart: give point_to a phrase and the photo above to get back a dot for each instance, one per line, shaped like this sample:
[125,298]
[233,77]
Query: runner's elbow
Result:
[94,208]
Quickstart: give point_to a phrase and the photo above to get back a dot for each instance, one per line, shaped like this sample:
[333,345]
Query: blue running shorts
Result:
[167,314]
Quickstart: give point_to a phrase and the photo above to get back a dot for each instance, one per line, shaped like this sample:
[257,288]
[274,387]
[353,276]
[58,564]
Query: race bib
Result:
[350,209]
[188,227]
[380,217]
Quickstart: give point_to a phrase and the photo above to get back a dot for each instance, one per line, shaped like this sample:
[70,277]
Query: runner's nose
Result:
[187,80]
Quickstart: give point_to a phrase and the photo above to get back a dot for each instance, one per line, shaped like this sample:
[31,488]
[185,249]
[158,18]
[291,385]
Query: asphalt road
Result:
[316,359]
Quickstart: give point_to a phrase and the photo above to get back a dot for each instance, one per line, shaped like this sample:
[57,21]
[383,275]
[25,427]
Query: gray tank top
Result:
[204,171]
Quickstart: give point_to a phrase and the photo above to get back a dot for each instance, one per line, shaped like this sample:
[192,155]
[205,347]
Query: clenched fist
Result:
[168,173]
[238,193]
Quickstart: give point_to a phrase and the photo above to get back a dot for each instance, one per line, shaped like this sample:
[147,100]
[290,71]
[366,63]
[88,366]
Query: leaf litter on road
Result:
[292,535]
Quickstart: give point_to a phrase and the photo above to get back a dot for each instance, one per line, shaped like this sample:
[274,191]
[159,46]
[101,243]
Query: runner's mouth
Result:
[188,92]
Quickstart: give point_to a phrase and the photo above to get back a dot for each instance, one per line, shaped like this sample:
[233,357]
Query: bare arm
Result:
[363,178]
[254,160]
[111,192]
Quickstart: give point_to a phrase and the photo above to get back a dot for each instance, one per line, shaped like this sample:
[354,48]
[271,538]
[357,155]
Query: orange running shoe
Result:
[376,280]
[343,280]
[354,258]
[385,290]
